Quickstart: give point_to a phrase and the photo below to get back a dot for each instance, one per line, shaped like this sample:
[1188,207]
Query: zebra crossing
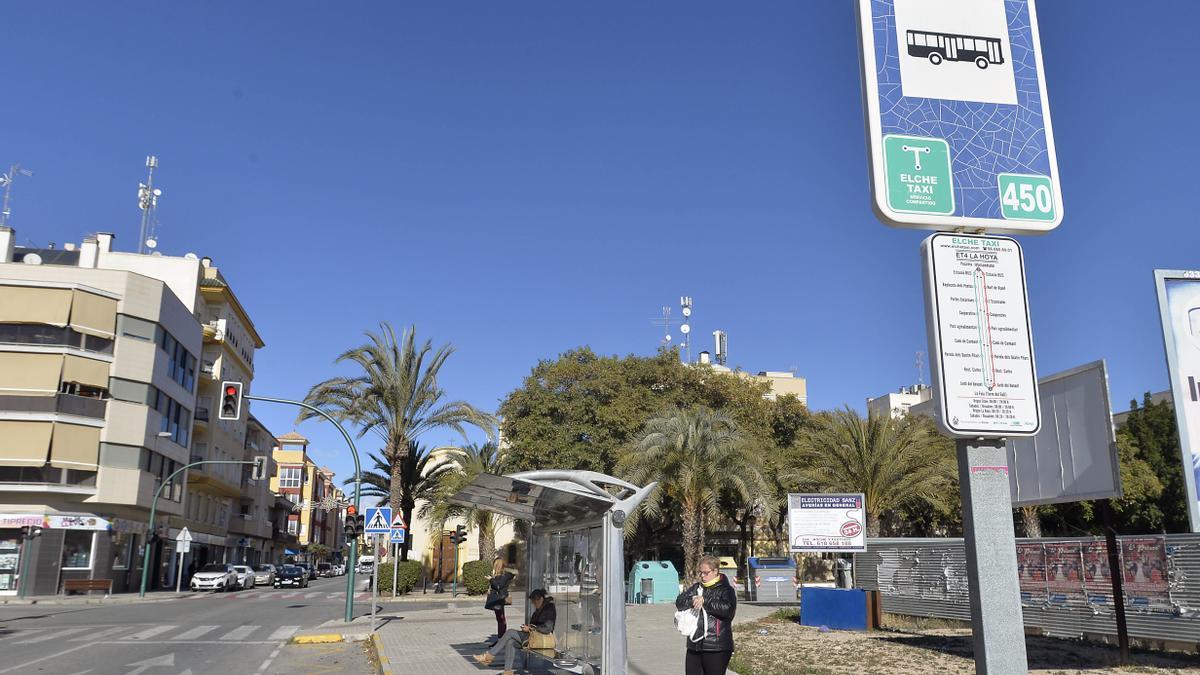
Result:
[130,633]
[285,595]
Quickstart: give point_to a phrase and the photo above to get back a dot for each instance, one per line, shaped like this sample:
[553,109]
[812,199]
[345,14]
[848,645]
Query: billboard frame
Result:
[1178,396]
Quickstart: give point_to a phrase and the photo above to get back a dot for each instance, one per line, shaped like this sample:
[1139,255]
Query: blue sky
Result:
[521,178]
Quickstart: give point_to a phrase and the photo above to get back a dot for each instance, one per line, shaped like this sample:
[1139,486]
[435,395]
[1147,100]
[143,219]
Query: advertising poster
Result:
[1179,306]
[1097,580]
[1031,571]
[1144,566]
[1064,574]
[827,522]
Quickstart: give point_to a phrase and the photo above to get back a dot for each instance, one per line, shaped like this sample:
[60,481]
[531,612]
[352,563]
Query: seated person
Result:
[542,622]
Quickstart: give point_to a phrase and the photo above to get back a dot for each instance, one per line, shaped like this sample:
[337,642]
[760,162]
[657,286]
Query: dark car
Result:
[291,575]
[324,569]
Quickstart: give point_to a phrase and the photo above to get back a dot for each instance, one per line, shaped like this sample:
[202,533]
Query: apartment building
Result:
[98,372]
[900,402]
[317,511]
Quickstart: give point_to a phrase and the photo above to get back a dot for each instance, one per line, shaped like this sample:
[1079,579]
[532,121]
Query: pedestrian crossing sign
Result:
[397,536]
[379,520]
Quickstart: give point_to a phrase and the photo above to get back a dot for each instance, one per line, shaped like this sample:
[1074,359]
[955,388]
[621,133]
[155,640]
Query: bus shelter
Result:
[576,552]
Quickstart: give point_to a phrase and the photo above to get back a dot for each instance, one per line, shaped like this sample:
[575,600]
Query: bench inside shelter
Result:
[70,586]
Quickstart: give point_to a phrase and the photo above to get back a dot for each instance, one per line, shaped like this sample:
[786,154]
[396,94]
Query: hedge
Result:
[475,576]
[407,576]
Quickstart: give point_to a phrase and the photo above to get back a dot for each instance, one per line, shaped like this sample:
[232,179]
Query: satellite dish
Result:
[685,329]
[32,259]
[191,256]
[667,338]
[150,243]
[687,311]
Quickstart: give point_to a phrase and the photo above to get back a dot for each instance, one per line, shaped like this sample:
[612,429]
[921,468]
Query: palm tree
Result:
[694,455]
[420,479]
[893,462]
[395,396]
[459,467]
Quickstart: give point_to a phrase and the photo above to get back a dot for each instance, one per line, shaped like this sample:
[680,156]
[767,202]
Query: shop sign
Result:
[77,523]
[21,520]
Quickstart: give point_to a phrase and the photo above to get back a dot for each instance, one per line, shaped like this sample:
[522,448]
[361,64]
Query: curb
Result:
[326,638]
[385,666]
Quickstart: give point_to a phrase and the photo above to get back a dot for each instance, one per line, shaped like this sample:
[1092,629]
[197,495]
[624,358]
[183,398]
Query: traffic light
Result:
[231,401]
[354,524]
[459,535]
[260,468]
[31,532]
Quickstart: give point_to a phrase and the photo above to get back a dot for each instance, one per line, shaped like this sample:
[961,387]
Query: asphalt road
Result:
[243,632]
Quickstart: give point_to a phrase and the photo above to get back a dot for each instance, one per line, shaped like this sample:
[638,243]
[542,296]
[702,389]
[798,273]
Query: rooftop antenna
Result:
[148,201]
[685,304]
[920,368]
[666,322]
[7,180]
[722,346]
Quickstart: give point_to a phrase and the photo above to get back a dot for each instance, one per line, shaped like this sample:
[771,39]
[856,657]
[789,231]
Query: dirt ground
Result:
[781,646]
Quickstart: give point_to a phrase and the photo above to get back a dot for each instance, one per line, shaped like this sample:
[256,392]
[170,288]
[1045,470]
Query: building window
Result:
[47,474]
[77,549]
[58,336]
[289,477]
[176,419]
[122,542]
[293,526]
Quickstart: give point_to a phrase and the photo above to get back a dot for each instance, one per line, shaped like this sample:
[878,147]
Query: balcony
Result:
[65,404]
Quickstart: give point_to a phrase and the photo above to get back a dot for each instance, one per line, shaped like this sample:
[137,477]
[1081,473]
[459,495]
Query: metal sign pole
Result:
[1114,576]
[996,622]
[374,576]
[395,566]
[179,572]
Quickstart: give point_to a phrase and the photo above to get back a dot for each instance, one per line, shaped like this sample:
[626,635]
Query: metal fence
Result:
[1065,587]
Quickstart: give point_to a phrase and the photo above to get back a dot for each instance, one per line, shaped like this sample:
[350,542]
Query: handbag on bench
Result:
[540,641]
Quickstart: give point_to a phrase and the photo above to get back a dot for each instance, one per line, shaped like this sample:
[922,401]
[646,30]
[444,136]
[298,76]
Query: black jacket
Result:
[497,590]
[544,618]
[720,601]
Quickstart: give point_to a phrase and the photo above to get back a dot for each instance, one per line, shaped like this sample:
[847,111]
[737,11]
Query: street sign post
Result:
[958,121]
[977,316]
[183,544]
[379,520]
[397,538]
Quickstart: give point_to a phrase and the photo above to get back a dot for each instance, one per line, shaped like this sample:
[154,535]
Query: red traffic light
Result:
[350,510]
[230,390]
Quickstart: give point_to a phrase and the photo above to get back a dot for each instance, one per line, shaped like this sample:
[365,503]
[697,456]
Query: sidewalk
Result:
[95,598]
[442,641]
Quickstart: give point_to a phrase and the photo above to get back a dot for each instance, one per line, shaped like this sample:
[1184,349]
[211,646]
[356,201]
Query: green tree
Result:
[395,396]
[1152,436]
[694,455]
[419,481]
[895,463]
[456,468]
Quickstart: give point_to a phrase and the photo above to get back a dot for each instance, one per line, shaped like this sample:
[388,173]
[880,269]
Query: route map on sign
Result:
[986,382]
[958,122]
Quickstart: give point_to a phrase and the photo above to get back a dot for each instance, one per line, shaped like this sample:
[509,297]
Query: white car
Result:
[245,576]
[264,574]
[214,577]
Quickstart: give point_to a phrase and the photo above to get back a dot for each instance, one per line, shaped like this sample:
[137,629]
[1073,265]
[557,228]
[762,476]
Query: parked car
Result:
[214,577]
[339,569]
[264,574]
[291,575]
[245,576]
[324,569]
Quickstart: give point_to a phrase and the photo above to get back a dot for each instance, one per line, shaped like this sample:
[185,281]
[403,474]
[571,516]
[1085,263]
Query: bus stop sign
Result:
[958,123]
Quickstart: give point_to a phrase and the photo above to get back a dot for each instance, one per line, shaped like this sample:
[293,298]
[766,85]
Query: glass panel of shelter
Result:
[567,564]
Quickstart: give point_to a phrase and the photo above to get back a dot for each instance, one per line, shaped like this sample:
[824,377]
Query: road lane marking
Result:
[284,632]
[285,596]
[22,633]
[150,632]
[239,633]
[46,658]
[54,634]
[309,596]
[266,664]
[102,634]
[195,632]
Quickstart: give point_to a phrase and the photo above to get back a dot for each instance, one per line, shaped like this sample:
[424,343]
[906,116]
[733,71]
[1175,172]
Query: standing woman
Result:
[497,596]
[710,654]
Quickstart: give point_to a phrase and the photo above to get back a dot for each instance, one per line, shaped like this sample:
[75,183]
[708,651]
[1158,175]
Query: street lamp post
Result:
[154,509]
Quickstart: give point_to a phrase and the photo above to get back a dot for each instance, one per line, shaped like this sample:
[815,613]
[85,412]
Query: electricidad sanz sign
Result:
[958,121]
[977,315]
[826,522]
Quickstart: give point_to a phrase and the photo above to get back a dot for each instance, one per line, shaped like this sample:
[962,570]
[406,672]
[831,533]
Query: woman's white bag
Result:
[687,620]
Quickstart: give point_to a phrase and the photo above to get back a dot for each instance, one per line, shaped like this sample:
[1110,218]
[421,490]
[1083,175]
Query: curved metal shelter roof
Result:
[548,497]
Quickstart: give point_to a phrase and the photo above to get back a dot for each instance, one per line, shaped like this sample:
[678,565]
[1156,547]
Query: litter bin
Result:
[845,573]
[652,582]
[772,579]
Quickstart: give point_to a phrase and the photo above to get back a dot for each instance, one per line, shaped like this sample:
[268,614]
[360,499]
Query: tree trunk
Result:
[691,543]
[407,511]
[487,537]
[1031,521]
[872,524]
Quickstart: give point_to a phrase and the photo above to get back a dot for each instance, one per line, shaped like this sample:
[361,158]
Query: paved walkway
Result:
[442,641]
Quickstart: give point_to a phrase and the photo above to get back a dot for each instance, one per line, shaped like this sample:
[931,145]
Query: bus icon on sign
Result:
[938,47]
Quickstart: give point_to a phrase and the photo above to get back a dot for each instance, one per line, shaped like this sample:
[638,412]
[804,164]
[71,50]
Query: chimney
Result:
[704,358]
[8,239]
[89,252]
[105,240]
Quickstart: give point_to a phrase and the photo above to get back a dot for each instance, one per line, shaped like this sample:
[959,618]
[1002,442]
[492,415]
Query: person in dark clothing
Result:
[542,621]
[709,653]
[497,596]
